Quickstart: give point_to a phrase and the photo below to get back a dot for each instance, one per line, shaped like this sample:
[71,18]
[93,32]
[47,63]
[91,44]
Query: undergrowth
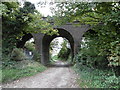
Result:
[95,78]
[21,69]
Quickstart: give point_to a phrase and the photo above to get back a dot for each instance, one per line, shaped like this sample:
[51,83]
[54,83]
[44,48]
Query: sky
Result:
[43,7]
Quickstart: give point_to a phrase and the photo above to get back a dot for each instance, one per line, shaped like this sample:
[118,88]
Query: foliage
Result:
[37,25]
[18,21]
[6,57]
[53,45]
[54,58]
[100,44]
[21,69]
[114,57]
[96,78]
[17,54]
[30,46]
[89,54]
[105,21]
[8,18]
[65,51]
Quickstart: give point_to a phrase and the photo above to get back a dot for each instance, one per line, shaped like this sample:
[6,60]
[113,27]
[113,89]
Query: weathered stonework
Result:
[72,33]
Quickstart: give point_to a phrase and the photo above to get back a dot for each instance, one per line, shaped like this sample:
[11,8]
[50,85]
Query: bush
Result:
[21,69]
[64,52]
[54,58]
[96,78]
[6,57]
[30,46]
[92,60]
[17,54]
[93,77]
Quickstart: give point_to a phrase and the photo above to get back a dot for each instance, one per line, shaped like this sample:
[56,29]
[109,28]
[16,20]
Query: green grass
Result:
[29,69]
[96,78]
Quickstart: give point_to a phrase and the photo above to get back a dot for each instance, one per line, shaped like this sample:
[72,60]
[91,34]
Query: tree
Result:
[18,21]
[65,51]
[103,17]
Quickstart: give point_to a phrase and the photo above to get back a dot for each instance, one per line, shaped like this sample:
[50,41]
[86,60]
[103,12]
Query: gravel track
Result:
[54,77]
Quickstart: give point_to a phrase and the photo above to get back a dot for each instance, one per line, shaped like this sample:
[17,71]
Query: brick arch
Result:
[25,38]
[70,31]
[47,40]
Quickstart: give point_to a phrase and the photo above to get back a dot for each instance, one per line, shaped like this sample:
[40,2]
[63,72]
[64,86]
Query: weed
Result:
[29,68]
[95,78]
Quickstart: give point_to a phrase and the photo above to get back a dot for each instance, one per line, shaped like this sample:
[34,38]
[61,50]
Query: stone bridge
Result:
[70,31]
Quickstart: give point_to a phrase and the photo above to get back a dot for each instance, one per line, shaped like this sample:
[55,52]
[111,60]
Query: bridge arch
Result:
[47,40]
[69,31]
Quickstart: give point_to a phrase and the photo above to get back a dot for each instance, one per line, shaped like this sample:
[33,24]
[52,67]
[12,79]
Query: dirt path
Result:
[55,77]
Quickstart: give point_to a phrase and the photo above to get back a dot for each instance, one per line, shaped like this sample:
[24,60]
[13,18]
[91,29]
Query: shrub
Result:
[96,78]
[91,59]
[30,46]
[64,52]
[17,54]
[54,58]
[21,69]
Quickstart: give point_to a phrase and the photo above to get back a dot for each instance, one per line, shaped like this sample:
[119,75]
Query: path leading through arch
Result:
[54,77]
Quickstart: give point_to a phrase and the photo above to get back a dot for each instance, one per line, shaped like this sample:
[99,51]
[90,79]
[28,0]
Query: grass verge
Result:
[21,69]
[95,78]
